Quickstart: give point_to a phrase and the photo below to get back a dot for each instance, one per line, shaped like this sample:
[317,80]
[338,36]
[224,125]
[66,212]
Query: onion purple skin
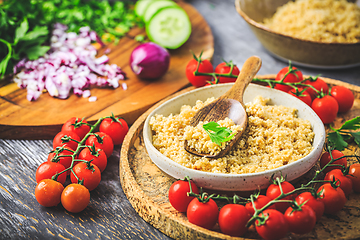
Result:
[149,61]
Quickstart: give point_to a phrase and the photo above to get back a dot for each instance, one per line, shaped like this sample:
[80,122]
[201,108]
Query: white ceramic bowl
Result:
[236,182]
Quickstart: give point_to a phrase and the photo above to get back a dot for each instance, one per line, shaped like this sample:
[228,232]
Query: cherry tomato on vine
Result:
[224,68]
[57,142]
[345,182]
[48,192]
[354,175]
[203,214]
[205,66]
[88,173]
[75,191]
[273,227]
[273,191]
[77,125]
[344,97]
[302,95]
[326,108]
[259,202]
[62,156]
[102,141]
[319,84]
[333,198]
[233,219]
[326,158]
[314,202]
[301,221]
[115,127]
[48,169]
[178,197]
[97,156]
[293,75]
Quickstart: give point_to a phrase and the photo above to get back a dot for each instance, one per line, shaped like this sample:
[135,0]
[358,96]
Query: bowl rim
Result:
[148,142]
[264,28]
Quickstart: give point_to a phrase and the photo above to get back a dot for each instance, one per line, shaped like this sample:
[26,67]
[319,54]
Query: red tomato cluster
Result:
[81,154]
[224,72]
[325,101]
[271,218]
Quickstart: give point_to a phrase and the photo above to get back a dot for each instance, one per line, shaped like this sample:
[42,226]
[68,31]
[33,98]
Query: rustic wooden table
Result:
[109,214]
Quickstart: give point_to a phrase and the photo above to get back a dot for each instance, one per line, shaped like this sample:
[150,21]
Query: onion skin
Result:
[149,61]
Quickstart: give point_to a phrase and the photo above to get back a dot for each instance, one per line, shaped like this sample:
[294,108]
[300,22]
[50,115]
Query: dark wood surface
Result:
[110,214]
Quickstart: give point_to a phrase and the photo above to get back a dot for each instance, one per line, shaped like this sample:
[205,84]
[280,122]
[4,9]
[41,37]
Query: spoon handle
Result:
[247,73]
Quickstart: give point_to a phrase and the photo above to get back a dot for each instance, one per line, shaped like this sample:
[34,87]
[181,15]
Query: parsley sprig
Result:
[339,137]
[217,133]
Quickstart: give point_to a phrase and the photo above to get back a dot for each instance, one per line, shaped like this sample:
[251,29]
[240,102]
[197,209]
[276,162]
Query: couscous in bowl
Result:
[230,181]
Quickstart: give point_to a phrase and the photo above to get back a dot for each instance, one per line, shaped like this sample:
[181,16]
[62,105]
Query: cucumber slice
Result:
[140,7]
[170,27]
[155,6]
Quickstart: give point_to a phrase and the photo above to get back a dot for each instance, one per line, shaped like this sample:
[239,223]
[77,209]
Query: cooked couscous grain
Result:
[274,137]
[318,20]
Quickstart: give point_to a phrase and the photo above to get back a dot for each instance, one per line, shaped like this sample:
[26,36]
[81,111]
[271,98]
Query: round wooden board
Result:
[146,187]
[42,119]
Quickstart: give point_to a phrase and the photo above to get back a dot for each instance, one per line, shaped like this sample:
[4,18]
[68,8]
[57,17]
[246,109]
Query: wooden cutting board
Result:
[146,187]
[42,119]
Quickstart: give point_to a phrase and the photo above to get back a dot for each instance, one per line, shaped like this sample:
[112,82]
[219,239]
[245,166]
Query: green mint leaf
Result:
[337,140]
[218,134]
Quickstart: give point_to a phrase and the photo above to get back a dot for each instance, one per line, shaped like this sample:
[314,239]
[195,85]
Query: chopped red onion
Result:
[70,64]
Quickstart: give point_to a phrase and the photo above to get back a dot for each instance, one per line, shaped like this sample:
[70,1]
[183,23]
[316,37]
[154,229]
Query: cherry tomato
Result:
[48,192]
[178,197]
[62,156]
[205,66]
[301,221]
[75,197]
[326,108]
[87,172]
[293,76]
[97,156]
[344,181]
[77,125]
[57,142]
[203,214]
[102,141]
[333,198]
[115,127]
[302,95]
[233,219]
[259,202]
[312,201]
[326,158]
[275,226]
[344,97]
[47,170]
[354,175]
[319,84]
[224,68]
[273,191]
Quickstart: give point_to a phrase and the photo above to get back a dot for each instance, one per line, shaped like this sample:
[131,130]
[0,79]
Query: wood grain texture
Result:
[146,187]
[41,119]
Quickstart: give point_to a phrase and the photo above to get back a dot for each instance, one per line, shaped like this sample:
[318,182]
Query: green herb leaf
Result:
[339,137]
[218,134]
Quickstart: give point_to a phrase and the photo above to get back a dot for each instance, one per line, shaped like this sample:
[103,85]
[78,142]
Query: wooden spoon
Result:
[228,105]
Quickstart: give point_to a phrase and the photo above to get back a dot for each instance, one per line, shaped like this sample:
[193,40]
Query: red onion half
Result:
[149,60]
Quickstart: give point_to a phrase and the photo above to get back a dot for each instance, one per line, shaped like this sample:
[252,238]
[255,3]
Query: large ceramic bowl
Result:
[300,52]
[236,182]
